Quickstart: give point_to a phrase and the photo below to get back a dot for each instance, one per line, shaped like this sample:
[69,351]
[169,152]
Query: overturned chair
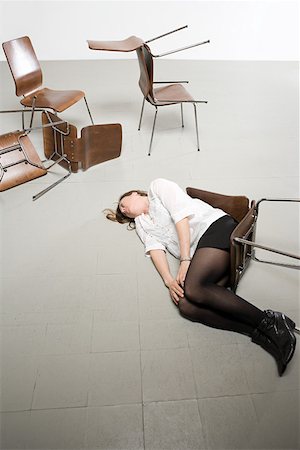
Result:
[20,162]
[242,240]
[96,144]
[172,93]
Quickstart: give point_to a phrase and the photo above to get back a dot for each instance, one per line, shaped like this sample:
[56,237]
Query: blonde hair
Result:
[118,216]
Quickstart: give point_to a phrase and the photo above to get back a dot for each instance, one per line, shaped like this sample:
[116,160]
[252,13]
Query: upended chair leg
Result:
[149,152]
[44,191]
[181,108]
[141,115]
[32,111]
[196,123]
[87,107]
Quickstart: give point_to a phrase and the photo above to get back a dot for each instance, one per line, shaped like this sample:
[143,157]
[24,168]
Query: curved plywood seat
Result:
[126,45]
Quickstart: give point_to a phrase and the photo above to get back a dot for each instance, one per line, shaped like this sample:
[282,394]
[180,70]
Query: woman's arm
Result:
[161,264]
[183,232]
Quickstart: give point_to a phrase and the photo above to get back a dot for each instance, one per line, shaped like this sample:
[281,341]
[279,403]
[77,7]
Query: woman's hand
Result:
[182,271]
[176,291]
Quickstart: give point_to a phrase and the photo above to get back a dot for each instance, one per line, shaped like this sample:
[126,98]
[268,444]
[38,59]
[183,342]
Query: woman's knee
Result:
[195,294]
[184,308]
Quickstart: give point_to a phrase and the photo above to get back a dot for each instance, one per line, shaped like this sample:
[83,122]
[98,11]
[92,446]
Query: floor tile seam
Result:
[242,365]
[89,405]
[273,391]
[69,408]
[204,427]
[90,353]
[141,379]
[247,394]
[170,400]
[193,372]
[165,348]
[142,403]
[207,343]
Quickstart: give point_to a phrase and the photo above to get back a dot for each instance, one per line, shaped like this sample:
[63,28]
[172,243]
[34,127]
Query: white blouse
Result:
[168,204]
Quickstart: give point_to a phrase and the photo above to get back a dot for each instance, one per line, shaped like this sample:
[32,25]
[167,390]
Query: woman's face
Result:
[134,205]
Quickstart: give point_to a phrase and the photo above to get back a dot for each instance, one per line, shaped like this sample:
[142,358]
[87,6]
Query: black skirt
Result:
[218,234]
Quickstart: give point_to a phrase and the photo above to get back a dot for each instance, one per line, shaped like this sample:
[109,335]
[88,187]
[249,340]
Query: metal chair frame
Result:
[253,245]
[25,159]
[33,109]
[249,246]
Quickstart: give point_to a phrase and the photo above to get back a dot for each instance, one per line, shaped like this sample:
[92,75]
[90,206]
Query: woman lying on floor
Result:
[166,218]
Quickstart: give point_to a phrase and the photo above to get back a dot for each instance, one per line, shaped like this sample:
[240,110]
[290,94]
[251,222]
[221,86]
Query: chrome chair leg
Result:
[141,116]
[32,111]
[44,191]
[181,107]
[196,123]
[87,107]
[23,118]
[149,152]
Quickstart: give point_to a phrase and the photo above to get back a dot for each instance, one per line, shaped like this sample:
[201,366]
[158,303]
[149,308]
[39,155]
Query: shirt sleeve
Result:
[174,199]
[149,241]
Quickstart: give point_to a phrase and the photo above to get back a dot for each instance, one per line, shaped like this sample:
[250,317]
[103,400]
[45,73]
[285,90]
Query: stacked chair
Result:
[19,159]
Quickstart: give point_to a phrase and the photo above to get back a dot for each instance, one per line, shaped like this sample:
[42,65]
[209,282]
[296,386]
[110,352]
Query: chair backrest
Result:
[235,205]
[98,143]
[238,207]
[23,64]
[146,72]
[19,161]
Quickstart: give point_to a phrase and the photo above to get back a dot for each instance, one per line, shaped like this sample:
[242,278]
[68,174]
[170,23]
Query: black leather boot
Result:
[290,322]
[279,330]
[263,341]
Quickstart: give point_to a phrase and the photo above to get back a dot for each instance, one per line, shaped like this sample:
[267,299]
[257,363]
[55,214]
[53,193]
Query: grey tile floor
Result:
[93,353]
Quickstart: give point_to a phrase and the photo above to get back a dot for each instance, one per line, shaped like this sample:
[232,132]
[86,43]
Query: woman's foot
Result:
[279,330]
[263,341]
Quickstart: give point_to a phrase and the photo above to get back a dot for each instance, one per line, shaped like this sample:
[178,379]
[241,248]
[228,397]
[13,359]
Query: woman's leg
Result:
[216,306]
[207,267]
[212,318]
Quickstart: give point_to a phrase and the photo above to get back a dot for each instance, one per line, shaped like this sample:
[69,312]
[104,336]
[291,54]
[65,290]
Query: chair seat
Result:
[22,172]
[171,93]
[57,100]
[126,45]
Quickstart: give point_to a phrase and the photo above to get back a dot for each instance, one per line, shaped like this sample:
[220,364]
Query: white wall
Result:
[238,30]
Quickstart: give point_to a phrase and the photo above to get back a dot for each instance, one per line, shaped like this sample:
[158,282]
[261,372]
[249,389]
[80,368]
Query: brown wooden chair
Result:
[20,162]
[27,74]
[242,239]
[96,144]
[171,94]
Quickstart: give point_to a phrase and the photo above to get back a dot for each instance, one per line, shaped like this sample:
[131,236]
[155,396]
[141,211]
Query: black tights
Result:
[213,305]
